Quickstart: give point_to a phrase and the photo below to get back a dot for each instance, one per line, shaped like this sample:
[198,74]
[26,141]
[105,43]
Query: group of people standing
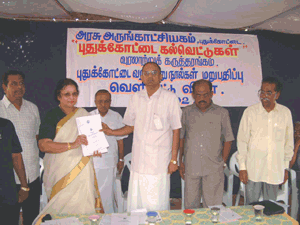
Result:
[201,132]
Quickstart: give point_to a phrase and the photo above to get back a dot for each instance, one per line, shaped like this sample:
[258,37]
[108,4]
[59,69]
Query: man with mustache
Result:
[265,143]
[25,117]
[153,115]
[205,139]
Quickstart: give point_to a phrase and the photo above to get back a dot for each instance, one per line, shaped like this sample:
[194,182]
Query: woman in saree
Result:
[68,176]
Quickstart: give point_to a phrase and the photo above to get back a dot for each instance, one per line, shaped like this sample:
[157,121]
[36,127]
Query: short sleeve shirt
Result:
[152,145]
[27,123]
[204,134]
[114,121]
[9,143]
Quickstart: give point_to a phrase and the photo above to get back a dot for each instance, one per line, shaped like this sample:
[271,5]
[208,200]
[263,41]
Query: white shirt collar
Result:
[96,111]
[157,93]
[263,110]
[6,102]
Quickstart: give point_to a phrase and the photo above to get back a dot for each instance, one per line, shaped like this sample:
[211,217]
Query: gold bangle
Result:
[69,146]
[25,188]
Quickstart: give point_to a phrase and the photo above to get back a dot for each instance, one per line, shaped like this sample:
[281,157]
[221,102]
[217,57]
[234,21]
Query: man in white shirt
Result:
[106,166]
[26,119]
[154,117]
[265,143]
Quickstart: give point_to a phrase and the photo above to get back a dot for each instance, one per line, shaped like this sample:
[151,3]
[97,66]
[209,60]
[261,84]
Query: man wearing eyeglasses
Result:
[153,115]
[25,117]
[106,166]
[265,143]
[205,140]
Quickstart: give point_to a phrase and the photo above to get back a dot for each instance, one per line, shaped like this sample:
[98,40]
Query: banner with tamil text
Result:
[112,60]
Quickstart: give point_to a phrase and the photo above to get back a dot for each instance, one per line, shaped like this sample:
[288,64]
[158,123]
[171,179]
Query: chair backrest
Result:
[41,169]
[294,189]
[43,197]
[127,162]
[233,164]
[227,172]
[227,194]
[41,166]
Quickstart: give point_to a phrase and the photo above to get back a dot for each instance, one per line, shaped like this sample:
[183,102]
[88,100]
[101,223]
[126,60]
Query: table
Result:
[202,216]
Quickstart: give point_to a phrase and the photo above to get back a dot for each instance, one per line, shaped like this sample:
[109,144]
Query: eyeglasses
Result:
[105,101]
[67,95]
[147,73]
[266,93]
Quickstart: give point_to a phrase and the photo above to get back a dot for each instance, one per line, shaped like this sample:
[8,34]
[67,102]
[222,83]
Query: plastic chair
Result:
[227,195]
[234,168]
[283,193]
[294,194]
[43,197]
[182,194]
[120,196]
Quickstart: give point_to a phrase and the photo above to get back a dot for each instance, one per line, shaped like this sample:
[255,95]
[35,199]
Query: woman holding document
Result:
[69,176]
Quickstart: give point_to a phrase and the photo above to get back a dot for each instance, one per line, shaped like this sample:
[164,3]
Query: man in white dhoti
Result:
[106,166]
[154,117]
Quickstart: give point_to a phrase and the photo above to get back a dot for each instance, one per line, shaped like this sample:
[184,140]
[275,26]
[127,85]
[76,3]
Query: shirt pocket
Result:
[27,127]
[213,128]
[279,131]
[158,122]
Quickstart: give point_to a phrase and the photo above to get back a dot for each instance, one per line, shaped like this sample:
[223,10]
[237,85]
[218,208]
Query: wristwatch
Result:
[173,161]
[121,160]
[25,188]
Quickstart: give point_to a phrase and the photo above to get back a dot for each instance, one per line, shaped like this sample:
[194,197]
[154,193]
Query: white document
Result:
[226,214]
[141,213]
[124,219]
[90,126]
[65,221]
[106,220]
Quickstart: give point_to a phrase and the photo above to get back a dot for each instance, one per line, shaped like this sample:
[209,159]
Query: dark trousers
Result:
[8,214]
[31,206]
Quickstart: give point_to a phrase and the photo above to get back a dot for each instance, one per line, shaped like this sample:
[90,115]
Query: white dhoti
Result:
[106,178]
[148,191]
